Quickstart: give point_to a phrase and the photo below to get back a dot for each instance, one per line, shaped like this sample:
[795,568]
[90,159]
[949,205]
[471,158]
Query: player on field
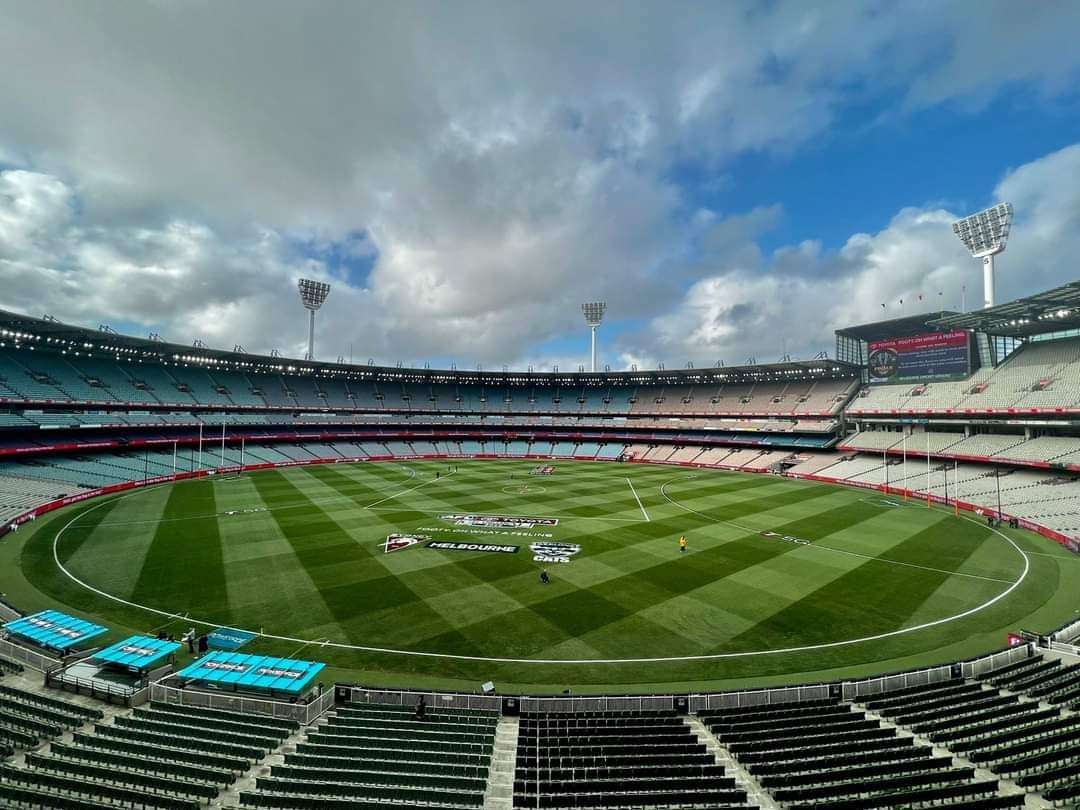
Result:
[682,544]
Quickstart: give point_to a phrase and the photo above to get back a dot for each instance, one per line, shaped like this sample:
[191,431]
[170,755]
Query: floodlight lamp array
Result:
[313,293]
[986,232]
[594,312]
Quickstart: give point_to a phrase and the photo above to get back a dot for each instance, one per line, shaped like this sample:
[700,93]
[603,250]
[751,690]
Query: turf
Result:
[299,553]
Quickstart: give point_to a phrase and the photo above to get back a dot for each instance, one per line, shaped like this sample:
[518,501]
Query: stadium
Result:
[640,409]
[392,523]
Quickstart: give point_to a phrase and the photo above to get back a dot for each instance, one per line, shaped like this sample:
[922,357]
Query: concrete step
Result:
[500,786]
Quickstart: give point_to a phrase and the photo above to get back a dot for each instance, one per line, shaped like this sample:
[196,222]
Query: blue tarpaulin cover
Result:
[51,628]
[228,638]
[139,653]
[254,672]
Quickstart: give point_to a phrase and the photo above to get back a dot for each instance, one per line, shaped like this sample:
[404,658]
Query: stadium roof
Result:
[908,326]
[1055,310]
[52,335]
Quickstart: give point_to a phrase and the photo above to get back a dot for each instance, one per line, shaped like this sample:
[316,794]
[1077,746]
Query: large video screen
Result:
[923,358]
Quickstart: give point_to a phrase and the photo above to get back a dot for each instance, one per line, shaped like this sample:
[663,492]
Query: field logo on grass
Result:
[499,521]
[787,538]
[553,552]
[396,542]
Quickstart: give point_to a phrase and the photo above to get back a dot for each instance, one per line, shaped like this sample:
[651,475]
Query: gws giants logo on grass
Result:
[396,542]
[553,552]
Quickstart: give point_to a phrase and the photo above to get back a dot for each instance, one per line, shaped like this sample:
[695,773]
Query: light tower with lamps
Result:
[985,234]
[313,294]
[594,314]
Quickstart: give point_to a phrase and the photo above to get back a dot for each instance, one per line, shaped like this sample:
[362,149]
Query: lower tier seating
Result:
[371,755]
[617,759]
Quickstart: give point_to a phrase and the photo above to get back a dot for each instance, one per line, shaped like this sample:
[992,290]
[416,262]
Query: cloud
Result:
[504,162]
[747,304]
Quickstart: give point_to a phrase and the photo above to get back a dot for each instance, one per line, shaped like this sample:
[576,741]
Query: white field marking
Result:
[588,661]
[750,530]
[257,510]
[636,498]
[319,641]
[1072,558]
[407,491]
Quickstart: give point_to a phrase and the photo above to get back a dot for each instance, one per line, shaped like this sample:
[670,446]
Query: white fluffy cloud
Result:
[750,305]
[503,161]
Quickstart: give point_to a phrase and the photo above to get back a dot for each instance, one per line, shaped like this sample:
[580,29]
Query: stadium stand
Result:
[1041,375]
[618,759]
[372,755]
[993,726]
[831,754]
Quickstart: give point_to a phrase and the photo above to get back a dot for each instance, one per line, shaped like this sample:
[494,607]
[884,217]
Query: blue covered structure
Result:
[139,654]
[252,673]
[54,630]
[229,638]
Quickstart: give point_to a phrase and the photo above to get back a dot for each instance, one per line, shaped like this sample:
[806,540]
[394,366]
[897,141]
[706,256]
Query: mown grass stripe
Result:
[183,569]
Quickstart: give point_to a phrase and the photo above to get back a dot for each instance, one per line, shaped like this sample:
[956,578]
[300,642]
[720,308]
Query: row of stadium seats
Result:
[158,756]
[45,376]
[372,755]
[946,743]
[831,754]
[1040,375]
[618,759]
[992,723]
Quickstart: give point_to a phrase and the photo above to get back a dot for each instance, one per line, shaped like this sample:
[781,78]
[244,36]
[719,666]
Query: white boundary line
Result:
[636,498]
[587,661]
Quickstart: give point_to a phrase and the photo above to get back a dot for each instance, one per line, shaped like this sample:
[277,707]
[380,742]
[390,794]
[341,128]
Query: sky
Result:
[736,180]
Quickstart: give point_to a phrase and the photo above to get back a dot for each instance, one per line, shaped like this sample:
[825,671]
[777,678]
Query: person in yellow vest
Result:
[682,544]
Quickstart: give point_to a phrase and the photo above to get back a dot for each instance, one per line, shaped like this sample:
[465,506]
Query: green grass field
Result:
[299,554]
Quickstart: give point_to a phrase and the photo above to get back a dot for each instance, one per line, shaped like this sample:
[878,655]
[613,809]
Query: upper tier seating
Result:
[1038,375]
[43,375]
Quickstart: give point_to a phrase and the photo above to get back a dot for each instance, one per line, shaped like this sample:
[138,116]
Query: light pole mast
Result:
[594,314]
[313,295]
[985,234]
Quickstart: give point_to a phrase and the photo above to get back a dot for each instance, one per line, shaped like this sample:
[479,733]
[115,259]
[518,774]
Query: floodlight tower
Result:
[313,295]
[985,234]
[594,314]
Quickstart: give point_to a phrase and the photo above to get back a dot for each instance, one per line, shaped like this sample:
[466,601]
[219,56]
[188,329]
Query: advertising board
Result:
[922,358]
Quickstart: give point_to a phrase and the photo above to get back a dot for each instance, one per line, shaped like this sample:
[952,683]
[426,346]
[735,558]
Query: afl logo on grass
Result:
[396,542]
[553,552]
